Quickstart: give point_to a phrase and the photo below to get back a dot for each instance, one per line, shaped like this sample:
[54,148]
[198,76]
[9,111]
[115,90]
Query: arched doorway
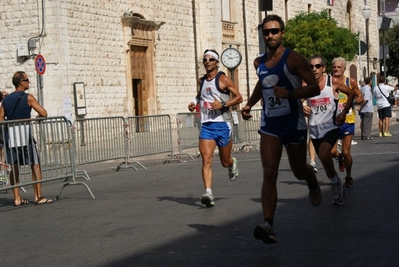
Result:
[141,89]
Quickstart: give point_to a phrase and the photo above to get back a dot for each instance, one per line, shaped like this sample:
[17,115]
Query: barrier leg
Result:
[85,175]
[178,158]
[74,183]
[127,162]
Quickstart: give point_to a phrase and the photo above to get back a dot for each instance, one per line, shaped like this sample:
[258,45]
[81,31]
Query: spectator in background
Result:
[381,92]
[397,95]
[366,110]
[18,106]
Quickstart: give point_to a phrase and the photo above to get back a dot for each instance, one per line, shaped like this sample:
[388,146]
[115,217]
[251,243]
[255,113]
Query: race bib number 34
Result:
[275,106]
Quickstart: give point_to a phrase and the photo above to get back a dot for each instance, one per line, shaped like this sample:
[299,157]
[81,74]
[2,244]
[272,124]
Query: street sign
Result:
[363,47]
[40,64]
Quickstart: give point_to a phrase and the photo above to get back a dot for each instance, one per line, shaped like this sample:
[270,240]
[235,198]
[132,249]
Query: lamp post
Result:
[366,13]
[384,26]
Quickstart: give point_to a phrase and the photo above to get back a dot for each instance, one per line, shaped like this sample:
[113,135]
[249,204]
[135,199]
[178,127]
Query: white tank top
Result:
[209,92]
[324,110]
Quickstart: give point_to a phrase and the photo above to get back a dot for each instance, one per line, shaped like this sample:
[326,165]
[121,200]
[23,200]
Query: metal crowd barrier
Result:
[238,129]
[188,125]
[251,128]
[55,148]
[63,147]
[147,135]
[99,139]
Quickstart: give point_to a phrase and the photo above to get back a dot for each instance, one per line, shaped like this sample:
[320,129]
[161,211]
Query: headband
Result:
[212,54]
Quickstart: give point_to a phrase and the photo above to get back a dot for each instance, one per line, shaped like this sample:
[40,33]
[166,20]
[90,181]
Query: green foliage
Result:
[392,39]
[317,33]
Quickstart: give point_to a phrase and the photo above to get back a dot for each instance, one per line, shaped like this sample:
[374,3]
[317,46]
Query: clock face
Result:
[231,58]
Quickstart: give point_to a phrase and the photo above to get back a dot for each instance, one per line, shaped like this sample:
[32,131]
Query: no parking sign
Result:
[40,64]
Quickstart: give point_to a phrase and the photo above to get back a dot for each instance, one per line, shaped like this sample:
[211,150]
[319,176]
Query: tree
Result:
[318,33]
[392,40]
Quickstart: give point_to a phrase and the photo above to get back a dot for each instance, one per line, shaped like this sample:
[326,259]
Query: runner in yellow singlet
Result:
[348,128]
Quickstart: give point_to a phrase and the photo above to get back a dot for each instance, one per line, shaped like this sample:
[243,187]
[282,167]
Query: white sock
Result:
[208,190]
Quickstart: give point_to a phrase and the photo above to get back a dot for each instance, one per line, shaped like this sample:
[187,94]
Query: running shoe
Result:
[387,134]
[315,196]
[353,143]
[265,232]
[338,191]
[313,164]
[341,163]
[348,181]
[381,134]
[233,170]
[208,200]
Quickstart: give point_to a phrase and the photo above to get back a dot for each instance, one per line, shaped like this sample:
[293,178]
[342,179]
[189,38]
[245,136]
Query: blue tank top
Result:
[279,115]
[22,111]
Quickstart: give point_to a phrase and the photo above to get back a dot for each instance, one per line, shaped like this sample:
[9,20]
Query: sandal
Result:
[23,202]
[43,200]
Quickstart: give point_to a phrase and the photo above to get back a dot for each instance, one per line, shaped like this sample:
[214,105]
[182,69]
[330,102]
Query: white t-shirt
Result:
[382,101]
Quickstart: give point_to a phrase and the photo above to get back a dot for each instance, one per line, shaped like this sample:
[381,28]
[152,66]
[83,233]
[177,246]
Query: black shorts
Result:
[23,155]
[330,137]
[385,112]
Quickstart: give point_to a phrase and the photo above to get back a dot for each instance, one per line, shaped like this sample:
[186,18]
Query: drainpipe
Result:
[246,47]
[195,42]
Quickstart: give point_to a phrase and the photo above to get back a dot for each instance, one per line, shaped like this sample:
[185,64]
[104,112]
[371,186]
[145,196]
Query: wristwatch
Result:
[223,103]
[291,94]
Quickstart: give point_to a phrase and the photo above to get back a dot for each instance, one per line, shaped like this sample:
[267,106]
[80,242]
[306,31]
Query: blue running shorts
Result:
[218,131]
[347,129]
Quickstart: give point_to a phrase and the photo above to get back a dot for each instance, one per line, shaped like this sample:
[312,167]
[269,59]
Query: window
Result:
[226,10]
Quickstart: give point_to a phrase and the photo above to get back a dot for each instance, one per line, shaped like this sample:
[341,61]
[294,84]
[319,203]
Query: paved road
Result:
[153,217]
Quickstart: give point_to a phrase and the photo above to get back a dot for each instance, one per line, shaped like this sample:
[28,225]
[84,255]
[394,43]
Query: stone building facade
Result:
[131,58]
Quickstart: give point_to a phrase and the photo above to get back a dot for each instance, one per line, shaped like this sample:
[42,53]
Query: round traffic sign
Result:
[40,64]
[363,48]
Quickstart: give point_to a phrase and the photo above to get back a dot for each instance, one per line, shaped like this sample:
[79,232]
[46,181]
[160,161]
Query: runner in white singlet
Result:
[325,120]
[214,99]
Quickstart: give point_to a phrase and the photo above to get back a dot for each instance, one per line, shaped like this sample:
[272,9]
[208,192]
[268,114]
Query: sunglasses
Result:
[25,80]
[205,59]
[318,66]
[274,31]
